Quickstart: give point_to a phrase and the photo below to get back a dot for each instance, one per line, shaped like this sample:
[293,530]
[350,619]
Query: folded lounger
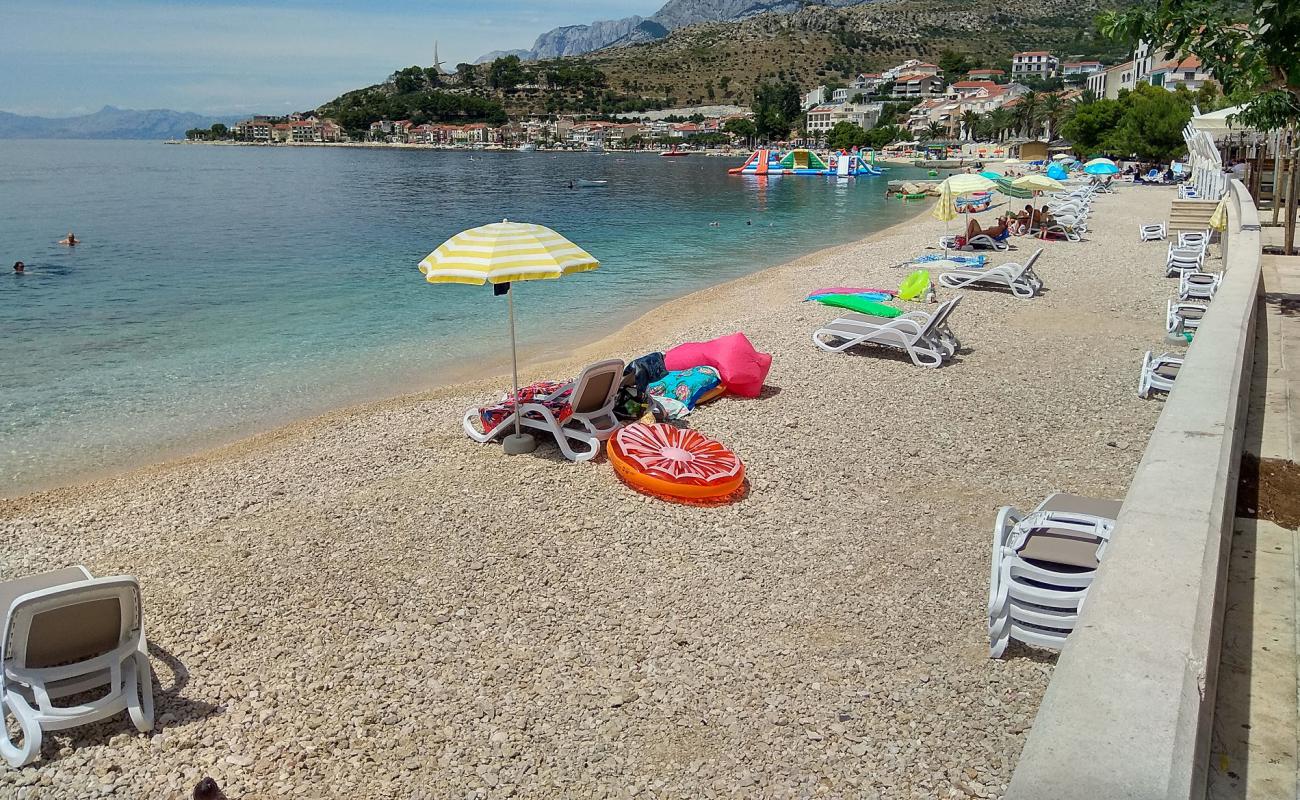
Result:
[1158,373]
[1042,567]
[1197,285]
[1183,259]
[579,413]
[1184,316]
[66,633]
[926,338]
[1191,239]
[1020,279]
[1155,232]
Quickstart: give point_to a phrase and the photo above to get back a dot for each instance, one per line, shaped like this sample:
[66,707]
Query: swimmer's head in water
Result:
[19,266]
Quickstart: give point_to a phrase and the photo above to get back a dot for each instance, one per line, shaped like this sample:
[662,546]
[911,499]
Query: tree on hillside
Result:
[506,73]
[743,128]
[846,135]
[954,64]
[219,131]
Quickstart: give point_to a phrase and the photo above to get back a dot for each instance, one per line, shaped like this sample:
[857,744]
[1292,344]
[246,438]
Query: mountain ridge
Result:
[109,122]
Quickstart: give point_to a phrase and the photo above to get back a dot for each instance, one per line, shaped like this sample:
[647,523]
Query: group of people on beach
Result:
[1019,223]
[70,240]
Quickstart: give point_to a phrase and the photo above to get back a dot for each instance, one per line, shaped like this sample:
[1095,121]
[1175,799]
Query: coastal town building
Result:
[868,82]
[1081,67]
[815,97]
[1107,83]
[1033,64]
[918,85]
[253,130]
[1187,72]
[995,75]
[824,117]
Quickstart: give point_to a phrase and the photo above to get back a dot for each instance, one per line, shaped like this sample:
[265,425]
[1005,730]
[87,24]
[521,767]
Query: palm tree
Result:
[1027,113]
[1001,120]
[1053,111]
[969,122]
[935,131]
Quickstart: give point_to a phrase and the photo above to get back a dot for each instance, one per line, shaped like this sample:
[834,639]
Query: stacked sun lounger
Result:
[1019,278]
[1043,564]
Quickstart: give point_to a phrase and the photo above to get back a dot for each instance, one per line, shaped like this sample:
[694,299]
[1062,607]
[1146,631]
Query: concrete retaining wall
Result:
[1127,713]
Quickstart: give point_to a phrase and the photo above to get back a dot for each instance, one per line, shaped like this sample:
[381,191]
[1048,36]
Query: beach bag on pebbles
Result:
[742,368]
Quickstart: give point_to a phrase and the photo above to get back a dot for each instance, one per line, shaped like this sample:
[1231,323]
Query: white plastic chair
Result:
[1184,315]
[926,338]
[1155,232]
[1020,279]
[65,633]
[591,422]
[1183,259]
[1198,285]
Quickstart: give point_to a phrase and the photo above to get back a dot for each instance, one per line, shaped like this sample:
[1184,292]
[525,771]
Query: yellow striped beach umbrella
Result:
[503,253]
[1038,183]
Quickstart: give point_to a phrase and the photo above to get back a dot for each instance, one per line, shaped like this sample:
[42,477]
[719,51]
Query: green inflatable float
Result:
[859,304]
[914,285]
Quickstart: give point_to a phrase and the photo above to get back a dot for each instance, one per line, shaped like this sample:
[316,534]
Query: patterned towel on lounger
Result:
[494,415]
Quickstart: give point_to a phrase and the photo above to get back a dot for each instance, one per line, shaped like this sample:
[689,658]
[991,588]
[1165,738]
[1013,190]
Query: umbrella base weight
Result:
[517,444]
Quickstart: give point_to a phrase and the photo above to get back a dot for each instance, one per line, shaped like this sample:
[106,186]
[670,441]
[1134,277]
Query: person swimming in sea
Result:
[70,240]
[19,267]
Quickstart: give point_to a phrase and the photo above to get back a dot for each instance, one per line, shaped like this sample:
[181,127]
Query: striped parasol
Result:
[503,253]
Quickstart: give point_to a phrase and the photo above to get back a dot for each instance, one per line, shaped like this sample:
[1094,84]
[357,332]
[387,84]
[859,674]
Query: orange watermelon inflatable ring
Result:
[675,463]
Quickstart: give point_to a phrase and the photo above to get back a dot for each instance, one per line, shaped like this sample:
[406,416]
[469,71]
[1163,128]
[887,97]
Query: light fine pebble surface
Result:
[369,605]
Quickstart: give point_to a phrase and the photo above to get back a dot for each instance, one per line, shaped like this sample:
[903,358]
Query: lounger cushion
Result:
[742,368]
[70,633]
[12,590]
[1077,504]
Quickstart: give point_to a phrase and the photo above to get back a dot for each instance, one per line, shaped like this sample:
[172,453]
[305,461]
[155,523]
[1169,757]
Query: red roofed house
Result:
[986,74]
[1033,64]
[1185,72]
[918,84]
[1081,67]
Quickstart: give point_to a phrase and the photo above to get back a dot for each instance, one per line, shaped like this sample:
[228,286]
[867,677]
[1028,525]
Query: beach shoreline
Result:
[534,360]
[530,623]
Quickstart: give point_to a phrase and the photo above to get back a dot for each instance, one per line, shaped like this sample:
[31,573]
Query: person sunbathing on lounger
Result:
[996,232]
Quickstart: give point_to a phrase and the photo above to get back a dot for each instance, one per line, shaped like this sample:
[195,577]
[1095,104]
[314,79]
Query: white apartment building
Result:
[1033,64]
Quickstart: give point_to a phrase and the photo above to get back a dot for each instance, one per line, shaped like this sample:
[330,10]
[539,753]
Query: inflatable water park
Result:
[843,164]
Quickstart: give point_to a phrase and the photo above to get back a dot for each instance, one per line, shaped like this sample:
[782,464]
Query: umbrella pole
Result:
[518,442]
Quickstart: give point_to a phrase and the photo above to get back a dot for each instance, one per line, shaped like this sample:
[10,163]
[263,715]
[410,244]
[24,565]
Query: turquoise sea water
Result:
[222,290]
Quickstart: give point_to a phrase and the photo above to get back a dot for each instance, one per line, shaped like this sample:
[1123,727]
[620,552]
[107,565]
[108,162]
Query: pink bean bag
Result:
[741,367]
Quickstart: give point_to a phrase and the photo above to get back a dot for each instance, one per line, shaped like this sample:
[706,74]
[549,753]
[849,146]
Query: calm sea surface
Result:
[222,290]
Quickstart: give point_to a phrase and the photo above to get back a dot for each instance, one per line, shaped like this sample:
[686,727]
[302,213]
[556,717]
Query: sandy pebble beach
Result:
[369,605]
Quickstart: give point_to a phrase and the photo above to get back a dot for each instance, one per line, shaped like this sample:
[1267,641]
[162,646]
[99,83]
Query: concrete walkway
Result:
[1256,731]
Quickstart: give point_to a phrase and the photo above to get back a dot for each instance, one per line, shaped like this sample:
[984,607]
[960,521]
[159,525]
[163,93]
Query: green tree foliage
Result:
[954,64]
[846,135]
[882,135]
[506,73]
[744,128]
[570,74]
[1091,124]
[1251,46]
[776,110]
[356,110]
[219,131]
[1152,124]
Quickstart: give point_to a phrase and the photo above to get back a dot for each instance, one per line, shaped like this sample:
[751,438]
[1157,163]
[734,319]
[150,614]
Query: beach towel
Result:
[967,261]
[493,415]
[741,367]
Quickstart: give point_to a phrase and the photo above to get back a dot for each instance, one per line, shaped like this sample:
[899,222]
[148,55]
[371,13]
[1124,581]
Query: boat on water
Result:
[585,182]
[673,152]
[527,147]
[595,148]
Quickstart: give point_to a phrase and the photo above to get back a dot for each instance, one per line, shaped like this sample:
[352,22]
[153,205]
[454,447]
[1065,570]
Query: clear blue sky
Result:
[59,57]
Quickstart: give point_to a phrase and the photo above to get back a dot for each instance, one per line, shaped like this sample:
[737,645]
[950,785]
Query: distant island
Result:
[109,123]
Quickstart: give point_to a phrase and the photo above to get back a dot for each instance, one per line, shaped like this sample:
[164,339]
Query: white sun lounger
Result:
[927,339]
[1020,279]
[1184,315]
[1194,239]
[1198,285]
[1155,232]
[66,633]
[1158,373]
[1042,567]
[1183,259]
[591,422]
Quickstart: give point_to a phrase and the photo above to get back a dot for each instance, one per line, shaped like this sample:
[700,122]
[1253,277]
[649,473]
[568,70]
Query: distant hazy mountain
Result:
[495,54]
[572,40]
[108,123]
